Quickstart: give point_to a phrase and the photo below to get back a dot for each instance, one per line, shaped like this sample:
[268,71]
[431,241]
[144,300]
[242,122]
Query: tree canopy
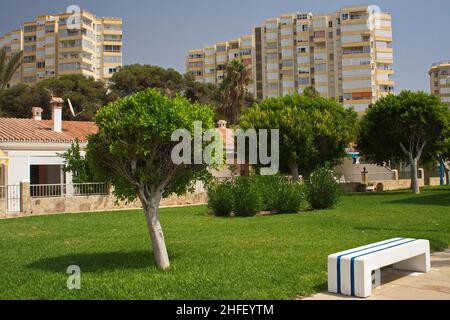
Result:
[86,95]
[403,127]
[233,89]
[132,150]
[313,130]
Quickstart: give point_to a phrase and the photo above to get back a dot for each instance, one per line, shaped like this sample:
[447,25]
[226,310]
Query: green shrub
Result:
[247,197]
[268,188]
[291,197]
[323,191]
[220,198]
[281,195]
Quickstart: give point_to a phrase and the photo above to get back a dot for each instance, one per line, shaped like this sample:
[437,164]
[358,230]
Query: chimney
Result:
[36,113]
[222,124]
[56,104]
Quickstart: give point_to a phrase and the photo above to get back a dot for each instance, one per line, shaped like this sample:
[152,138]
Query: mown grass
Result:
[267,257]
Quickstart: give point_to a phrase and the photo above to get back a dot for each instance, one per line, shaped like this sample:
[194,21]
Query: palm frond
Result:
[8,67]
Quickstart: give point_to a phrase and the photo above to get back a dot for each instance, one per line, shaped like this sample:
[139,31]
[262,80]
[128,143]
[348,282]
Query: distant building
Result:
[440,80]
[347,55]
[53,46]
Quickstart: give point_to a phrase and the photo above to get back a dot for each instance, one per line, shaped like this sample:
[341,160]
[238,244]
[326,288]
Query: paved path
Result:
[401,285]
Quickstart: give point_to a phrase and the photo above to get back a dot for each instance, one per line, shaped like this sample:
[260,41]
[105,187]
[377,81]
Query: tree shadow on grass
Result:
[96,262]
[441,199]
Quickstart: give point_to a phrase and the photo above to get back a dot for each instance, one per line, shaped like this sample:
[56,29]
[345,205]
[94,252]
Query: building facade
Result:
[347,55]
[440,80]
[62,44]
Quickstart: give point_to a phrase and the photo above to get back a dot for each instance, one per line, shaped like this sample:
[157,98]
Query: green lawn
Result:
[270,257]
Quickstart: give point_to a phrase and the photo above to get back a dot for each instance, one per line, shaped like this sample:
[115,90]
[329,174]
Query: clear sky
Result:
[161,32]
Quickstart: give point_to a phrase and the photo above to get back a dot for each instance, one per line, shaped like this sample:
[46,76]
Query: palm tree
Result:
[233,89]
[8,66]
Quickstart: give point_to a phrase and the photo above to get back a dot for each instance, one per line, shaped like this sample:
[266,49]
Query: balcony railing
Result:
[67,190]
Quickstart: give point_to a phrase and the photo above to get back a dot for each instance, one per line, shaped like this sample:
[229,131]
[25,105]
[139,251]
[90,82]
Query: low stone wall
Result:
[434,182]
[43,206]
[381,185]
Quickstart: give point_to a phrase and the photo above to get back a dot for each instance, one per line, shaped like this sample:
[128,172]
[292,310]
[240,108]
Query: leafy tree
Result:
[134,78]
[233,89]
[132,150]
[77,164]
[86,95]
[196,91]
[403,127]
[313,130]
[8,66]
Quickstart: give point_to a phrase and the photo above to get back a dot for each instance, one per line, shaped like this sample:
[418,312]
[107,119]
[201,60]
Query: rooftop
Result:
[29,130]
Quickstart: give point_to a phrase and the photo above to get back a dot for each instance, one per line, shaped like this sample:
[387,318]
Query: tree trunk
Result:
[151,209]
[447,174]
[414,179]
[294,172]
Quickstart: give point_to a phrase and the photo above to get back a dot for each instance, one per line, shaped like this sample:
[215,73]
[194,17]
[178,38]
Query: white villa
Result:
[30,148]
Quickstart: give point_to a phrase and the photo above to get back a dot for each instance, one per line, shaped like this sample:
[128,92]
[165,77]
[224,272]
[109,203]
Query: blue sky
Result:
[160,32]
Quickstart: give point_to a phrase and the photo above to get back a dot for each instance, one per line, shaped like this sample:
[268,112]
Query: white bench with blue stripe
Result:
[350,271]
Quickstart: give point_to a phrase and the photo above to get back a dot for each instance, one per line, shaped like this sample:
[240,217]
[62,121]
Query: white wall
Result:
[20,161]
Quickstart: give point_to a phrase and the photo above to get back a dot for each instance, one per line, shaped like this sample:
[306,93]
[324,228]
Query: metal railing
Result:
[68,190]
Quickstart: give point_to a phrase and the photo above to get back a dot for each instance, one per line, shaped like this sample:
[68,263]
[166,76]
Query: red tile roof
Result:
[29,130]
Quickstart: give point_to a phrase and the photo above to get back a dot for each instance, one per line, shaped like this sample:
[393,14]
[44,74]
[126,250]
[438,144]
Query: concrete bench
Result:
[350,272]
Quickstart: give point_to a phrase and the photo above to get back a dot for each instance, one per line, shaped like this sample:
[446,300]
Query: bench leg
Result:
[332,276]
[420,263]
[363,280]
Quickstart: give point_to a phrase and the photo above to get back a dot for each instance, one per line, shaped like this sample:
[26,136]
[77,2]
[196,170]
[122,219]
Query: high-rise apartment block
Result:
[347,55]
[440,80]
[67,43]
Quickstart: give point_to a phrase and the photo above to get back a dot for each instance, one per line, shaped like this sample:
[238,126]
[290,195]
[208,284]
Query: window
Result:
[70,44]
[49,51]
[49,62]
[330,24]
[29,79]
[345,16]
[271,36]
[272,66]
[246,52]
[221,49]
[303,81]
[319,34]
[271,46]
[286,42]
[303,70]
[29,29]
[29,48]
[110,48]
[40,64]
[114,27]
[29,39]
[113,38]
[29,69]
[195,64]
[112,59]
[29,59]
[272,56]
[320,67]
[49,29]
[287,63]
